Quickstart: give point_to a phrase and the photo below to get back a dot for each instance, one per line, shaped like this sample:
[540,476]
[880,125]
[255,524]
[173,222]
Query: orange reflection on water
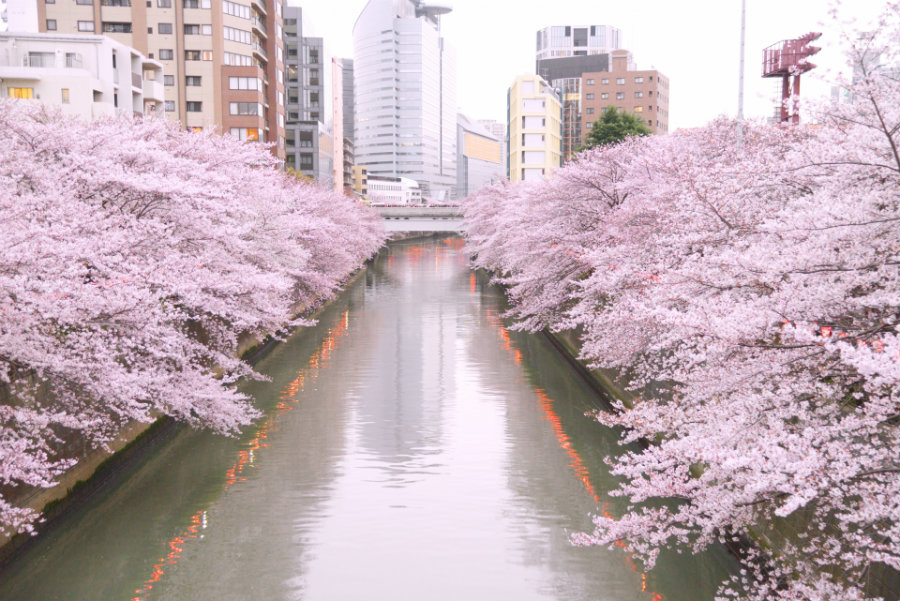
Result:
[576,463]
[247,455]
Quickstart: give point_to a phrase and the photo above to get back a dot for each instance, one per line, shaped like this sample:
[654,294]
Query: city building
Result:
[305,99]
[645,93]
[349,114]
[575,40]
[498,130]
[566,74]
[534,129]
[89,76]
[479,159]
[385,190]
[360,181]
[223,61]
[404,76]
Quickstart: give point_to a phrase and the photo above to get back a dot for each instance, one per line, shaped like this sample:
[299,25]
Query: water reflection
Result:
[412,448]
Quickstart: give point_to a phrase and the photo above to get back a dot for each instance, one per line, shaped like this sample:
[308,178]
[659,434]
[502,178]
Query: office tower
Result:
[645,93]
[569,40]
[566,75]
[305,86]
[405,95]
[479,159]
[89,76]
[534,129]
[223,61]
[349,111]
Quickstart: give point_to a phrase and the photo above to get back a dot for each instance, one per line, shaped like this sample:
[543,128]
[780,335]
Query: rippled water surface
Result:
[411,448]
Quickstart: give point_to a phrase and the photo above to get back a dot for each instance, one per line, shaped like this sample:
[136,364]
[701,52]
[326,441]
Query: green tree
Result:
[613,126]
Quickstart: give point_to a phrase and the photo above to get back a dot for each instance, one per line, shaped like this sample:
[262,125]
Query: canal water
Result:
[411,448]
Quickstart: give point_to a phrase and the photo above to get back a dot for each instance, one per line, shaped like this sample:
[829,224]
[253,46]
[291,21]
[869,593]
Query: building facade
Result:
[534,129]
[88,76]
[385,190]
[223,61]
[304,99]
[644,93]
[566,75]
[577,40]
[405,95]
[479,159]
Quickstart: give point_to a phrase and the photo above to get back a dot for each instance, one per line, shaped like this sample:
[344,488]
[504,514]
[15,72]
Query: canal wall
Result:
[96,466]
[776,536]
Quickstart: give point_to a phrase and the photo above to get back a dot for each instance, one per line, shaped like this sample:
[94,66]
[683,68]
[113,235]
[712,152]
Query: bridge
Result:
[421,219]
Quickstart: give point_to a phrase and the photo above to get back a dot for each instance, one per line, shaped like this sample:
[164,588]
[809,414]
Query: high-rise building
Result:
[305,98]
[534,129]
[349,111]
[479,160]
[405,95]
[644,93]
[576,40]
[566,75]
[223,61]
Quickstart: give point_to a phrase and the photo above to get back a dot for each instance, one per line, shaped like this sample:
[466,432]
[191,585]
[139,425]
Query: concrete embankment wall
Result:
[96,466]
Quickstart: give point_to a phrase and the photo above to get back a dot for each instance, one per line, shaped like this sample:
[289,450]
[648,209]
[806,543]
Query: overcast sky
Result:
[694,42]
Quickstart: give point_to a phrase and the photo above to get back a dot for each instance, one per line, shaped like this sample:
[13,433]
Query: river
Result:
[411,448]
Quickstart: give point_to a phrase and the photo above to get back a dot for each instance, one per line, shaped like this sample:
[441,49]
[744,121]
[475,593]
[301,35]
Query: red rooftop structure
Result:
[786,59]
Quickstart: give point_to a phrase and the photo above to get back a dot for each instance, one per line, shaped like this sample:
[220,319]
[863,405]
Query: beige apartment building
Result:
[223,60]
[645,93]
[534,129]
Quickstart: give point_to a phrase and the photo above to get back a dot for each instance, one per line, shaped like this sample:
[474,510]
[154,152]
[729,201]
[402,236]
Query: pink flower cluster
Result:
[133,257]
[749,296]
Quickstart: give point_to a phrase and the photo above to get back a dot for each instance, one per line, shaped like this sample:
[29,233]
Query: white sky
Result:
[694,42]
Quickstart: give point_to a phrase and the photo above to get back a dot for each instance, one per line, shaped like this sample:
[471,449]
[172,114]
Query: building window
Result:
[244,83]
[166,54]
[191,29]
[115,2]
[638,109]
[650,122]
[306,161]
[196,3]
[191,55]
[164,4]
[164,28]
[590,96]
[85,2]
[192,80]
[85,26]
[237,35]
[193,106]
[638,80]
[590,110]
[21,92]
[620,95]
[245,133]
[638,94]
[241,60]
[207,55]
[49,1]
[620,81]
[245,108]
[589,82]
[113,27]
[64,95]
[170,106]
[604,81]
[235,10]
[51,24]
[604,95]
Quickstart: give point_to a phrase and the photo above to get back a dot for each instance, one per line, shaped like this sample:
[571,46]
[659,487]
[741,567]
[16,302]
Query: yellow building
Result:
[360,181]
[535,113]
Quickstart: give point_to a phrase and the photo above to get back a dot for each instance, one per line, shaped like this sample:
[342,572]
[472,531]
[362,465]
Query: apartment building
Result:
[223,61]
[88,76]
[305,85]
[534,110]
[645,93]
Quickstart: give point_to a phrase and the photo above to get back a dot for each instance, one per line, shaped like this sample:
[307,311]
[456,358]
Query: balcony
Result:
[137,81]
[259,27]
[259,5]
[260,52]
[153,90]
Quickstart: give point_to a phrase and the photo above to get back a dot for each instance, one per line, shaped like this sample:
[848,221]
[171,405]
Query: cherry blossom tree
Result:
[749,298]
[134,257]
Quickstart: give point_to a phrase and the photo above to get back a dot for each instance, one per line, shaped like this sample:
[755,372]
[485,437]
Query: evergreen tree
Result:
[613,126]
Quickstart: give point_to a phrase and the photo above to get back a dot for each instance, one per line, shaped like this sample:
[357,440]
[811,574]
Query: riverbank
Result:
[100,466]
